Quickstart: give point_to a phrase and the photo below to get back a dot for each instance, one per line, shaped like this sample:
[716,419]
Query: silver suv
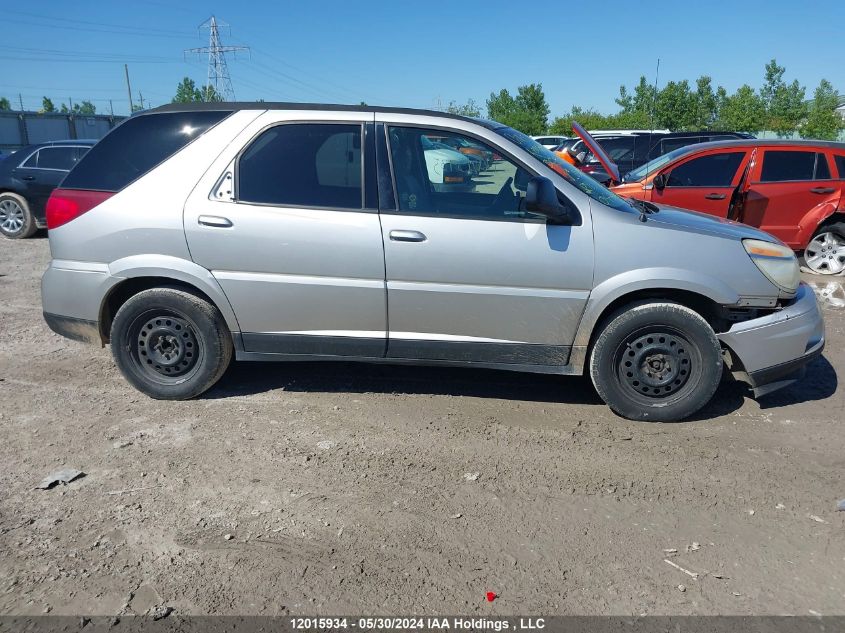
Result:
[281,232]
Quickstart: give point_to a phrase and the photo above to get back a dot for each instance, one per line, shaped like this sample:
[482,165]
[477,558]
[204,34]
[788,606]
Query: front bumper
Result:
[771,352]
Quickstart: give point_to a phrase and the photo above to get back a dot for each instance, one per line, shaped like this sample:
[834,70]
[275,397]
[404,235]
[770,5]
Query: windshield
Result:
[651,166]
[574,176]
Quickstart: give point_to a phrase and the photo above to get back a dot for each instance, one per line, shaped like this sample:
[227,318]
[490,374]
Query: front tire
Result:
[16,220]
[657,362]
[170,343]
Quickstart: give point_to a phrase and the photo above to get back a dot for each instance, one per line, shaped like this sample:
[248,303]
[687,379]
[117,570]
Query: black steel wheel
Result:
[656,361]
[170,343]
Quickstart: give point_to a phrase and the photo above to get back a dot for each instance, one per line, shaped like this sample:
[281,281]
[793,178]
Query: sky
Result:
[411,54]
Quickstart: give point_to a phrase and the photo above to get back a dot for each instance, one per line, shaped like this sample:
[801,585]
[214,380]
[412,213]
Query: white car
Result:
[448,170]
[550,141]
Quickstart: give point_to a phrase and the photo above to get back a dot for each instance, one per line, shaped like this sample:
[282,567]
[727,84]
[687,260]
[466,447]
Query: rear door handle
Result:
[215,221]
[407,236]
[27,177]
[822,190]
[715,196]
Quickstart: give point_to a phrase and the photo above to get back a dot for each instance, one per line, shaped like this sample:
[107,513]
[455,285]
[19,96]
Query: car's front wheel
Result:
[170,343]
[656,361]
[16,221]
[825,254]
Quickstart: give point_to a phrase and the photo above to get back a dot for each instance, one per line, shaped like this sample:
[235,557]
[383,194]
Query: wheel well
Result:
[706,307]
[833,218]
[122,292]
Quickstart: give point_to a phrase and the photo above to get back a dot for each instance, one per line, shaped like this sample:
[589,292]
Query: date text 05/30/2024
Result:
[418,623]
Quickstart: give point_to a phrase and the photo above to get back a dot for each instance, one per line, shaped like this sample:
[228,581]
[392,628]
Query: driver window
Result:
[444,173]
[714,170]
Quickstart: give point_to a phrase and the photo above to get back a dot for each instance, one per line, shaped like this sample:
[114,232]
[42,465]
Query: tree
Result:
[823,122]
[785,104]
[47,105]
[4,104]
[528,112]
[86,107]
[705,103]
[675,107]
[743,111]
[187,92]
[470,108]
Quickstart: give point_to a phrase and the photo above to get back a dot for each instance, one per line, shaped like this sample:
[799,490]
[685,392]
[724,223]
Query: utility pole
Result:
[128,87]
[218,72]
[141,98]
[111,107]
[20,100]
[70,101]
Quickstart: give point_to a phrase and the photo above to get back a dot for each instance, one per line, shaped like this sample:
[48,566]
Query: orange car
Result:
[794,190]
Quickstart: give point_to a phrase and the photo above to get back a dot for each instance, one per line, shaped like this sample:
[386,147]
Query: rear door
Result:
[43,171]
[785,186]
[703,182]
[296,244]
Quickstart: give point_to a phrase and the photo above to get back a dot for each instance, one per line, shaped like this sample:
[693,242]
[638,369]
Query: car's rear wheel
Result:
[825,254]
[659,362]
[16,221]
[170,343]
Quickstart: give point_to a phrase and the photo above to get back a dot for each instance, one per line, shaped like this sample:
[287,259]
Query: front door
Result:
[297,250]
[472,276]
[704,183]
[786,187]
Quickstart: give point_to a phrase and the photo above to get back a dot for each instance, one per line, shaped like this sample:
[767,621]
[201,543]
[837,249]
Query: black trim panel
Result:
[313,345]
[72,328]
[763,377]
[471,352]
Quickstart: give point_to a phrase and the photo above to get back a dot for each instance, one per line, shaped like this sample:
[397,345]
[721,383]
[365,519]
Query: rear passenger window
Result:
[715,170]
[780,166]
[136,146]
[32,161]
[307,165]
[840,165]
[61,158]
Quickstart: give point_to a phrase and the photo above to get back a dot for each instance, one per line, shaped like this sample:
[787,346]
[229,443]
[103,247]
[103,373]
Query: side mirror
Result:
[659,182]
[541,197]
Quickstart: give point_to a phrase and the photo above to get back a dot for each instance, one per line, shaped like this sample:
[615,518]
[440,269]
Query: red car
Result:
[794,190]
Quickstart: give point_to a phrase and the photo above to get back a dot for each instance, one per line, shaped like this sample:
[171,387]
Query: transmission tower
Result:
[218,71]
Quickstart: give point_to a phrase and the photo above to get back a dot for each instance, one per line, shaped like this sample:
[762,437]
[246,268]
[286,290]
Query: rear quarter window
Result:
[840,165]
[136,146]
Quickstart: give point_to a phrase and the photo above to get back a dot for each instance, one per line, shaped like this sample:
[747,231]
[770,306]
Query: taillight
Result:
[65,205]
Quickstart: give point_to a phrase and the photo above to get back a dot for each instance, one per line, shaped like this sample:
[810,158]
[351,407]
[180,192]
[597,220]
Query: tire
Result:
[825,254]
[656,361]
[16,221]
[170,344]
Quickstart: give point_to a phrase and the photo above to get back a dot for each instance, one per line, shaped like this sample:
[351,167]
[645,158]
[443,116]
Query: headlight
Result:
[776,261]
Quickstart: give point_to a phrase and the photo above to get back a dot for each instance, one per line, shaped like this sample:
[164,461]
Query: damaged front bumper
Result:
[772,351]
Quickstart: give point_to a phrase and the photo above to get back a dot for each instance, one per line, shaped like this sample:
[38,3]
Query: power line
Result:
[218,71]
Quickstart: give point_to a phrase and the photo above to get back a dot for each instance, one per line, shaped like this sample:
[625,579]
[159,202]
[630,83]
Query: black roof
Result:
[231,106]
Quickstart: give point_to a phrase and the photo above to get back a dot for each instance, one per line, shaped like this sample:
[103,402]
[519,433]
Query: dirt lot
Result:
[343,488]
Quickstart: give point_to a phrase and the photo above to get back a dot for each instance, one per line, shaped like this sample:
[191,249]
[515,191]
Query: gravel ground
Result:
[329,488]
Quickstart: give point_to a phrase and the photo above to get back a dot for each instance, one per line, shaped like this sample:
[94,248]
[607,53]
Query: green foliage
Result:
[528,112]
[470,108]
[676,107]
[86,107]
[592,120]
[784,103]
[743,111]
[137,107]
[4,104]
[823,122]
[47,105]
[188,92]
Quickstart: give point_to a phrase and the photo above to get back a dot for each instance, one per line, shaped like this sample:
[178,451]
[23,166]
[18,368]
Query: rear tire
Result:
[16,221]
[825,254]
[658,362]
[170,344]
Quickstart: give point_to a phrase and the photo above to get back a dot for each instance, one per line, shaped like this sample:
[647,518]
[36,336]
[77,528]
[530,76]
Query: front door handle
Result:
[715,196]
[215,221]
[407,236]
[822,190]
[27,177]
